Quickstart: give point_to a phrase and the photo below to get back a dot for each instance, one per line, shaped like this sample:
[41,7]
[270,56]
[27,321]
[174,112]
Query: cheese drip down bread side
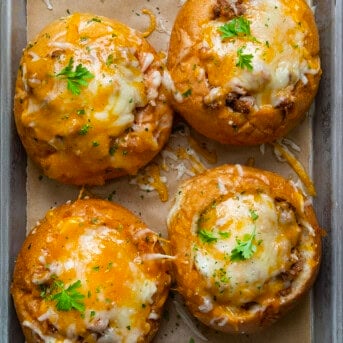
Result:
[247,247]
[244,72]
[91,271]
[89,105]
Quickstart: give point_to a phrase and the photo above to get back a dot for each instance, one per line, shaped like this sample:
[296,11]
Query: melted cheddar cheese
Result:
[118,273]
[277,46]
[79,127]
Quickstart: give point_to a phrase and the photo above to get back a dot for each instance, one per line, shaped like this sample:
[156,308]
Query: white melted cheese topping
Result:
[243,281]
[279,56]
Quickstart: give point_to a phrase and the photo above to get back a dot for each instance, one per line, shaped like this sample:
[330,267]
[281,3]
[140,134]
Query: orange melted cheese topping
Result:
[118,288]
[238,282]
[277,44]
[108,101]
[118,101]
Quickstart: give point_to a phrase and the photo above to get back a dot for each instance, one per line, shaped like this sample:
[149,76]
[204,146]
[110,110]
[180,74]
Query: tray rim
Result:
[327,294]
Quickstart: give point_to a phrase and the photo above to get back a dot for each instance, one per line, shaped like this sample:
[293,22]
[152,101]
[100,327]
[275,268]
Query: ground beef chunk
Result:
[228,9]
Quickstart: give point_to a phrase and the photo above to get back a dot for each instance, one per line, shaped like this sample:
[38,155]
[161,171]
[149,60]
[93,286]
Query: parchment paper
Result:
[44,193]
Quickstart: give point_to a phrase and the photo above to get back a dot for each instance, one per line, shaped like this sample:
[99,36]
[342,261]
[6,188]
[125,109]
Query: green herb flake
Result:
[207,236]
[96,268]
[237,27]
[95,144]
[75,79]
[69,298]
[113,149]
[244,60]
[92,314]
[253,215]
[81,112]
[84,129]
[224,234]
[187,93]
[191,340]
[245,248]
[109,60]
[97,20]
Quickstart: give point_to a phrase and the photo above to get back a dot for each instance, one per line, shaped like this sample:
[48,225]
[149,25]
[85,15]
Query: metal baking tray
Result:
[327,294]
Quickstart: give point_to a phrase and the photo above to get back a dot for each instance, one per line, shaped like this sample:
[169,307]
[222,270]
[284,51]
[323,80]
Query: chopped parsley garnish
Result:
[245,248]
[187,93]
[96,20]
[244,60]
[253,215]
[191,340]
[84,129]
[66,299]
[109,60]
[96,268]
[95,144]
[81,112]
[207,236]
[92,314]
[235,27]
[113,149]
[224,234]
[75,78]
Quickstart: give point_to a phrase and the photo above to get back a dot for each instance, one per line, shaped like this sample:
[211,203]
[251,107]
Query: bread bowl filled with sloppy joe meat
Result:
[90,271]
[244,72]
[89,105]
[247,247]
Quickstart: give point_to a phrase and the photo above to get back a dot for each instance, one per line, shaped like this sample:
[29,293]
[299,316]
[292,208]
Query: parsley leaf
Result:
[75,79]
[187,93]
[84,129]
[245,248]
[253,215]
[244,60]
[235,27]
[70,298]
[207,236]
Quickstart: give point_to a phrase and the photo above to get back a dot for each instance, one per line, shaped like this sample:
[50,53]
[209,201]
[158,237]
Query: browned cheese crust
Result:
[119,120]
[236,104]
[105,248]
[224,208]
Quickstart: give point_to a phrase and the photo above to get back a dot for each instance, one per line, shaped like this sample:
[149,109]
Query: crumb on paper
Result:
[48,5]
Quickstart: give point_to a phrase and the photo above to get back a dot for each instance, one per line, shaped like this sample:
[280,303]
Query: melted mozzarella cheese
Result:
[279,58]
[243,281]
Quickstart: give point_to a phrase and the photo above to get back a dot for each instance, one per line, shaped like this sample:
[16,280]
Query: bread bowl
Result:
[247,247]
[89,105]
[244,72]
[91,271]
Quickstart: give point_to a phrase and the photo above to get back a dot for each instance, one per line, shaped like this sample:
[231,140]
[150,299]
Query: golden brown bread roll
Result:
[245,71]
[91,271]
[89,105]
[247,247]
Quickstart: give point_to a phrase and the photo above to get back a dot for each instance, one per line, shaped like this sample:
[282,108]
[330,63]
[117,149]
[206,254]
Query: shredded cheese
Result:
[152,25]
[297,167]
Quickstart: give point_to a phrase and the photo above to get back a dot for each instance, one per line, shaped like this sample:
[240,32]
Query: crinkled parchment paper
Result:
[44,193]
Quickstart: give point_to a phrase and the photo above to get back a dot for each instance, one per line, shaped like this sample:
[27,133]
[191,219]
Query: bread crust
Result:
[216,302]
[236,115]
[103,132]
[47,244]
